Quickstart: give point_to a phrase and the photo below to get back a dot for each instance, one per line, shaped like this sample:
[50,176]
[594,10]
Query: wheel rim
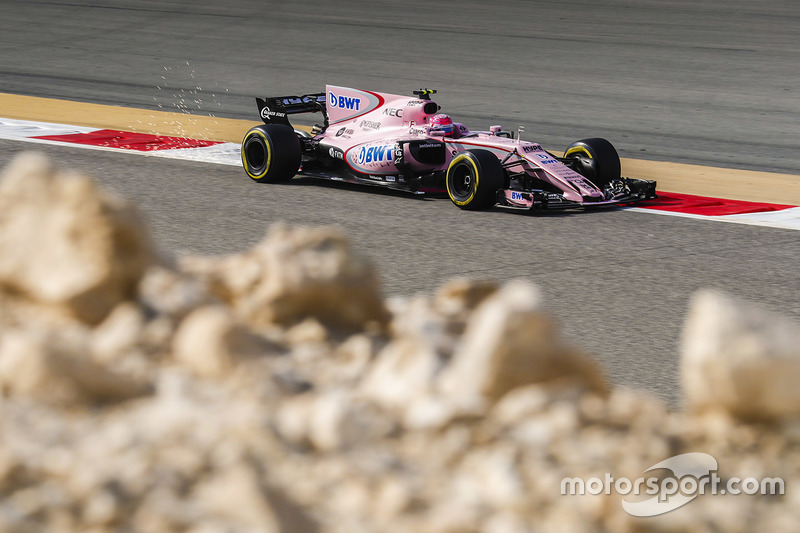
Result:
[256,154]
[463,180]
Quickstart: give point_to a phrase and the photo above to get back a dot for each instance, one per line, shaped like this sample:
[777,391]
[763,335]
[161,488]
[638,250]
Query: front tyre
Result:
[596,159]
[271,153]
[473,179]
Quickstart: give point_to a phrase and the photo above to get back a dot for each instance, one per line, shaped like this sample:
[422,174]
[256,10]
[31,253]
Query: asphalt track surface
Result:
[712,83]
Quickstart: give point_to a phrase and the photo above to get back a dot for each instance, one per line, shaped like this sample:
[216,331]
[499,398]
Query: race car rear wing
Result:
[275,110]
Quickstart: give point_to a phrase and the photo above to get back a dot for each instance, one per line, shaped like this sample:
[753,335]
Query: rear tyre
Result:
[271,153]
[473,179]
[596,159]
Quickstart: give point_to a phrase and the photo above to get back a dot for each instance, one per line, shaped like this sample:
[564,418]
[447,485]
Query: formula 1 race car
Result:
[404,143]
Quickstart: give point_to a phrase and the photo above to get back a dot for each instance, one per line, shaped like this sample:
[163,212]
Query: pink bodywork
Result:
[365,127]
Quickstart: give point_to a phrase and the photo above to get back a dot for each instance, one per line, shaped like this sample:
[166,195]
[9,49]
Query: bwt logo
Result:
[517,196]
[344,102]
[374,154]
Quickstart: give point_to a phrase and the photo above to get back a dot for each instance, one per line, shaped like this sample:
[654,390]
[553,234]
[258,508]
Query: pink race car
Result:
[406,143]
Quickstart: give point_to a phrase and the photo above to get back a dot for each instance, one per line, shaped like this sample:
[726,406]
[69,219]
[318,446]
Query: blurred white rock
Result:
[740,358]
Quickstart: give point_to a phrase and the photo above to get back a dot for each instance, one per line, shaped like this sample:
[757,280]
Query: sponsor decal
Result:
[528,148]
[304,99]
[344,132]
[369,125]
[517,196]
[546,159]
[336,153]
[582,183]
[344,102]
[375,154]
[267,112]
[417,131]
[429,145]
[393,112]
[415,102]
[391,178]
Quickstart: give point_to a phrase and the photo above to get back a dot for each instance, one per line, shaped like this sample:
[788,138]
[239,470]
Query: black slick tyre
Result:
[473,179]
[596,159]
[271,153]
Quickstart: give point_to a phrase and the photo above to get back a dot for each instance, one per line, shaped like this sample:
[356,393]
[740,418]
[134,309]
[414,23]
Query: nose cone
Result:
[587,191]
[594,196]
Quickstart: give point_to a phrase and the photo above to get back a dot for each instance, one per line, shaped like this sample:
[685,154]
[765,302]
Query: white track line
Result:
[783,219]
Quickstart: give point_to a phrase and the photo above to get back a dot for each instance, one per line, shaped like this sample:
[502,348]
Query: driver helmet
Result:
[442,122]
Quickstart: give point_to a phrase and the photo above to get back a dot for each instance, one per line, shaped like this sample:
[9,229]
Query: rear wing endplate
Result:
[275,110]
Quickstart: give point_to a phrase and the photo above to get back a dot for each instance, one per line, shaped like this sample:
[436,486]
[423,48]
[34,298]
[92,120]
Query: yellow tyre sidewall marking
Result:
[471,161]
[244,158]
[576,149]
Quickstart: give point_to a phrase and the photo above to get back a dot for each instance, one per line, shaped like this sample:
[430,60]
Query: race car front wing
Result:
[618,192]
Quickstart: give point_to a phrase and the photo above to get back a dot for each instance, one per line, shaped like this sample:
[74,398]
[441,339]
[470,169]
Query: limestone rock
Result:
[309,331]
[118,333]
[440,320]
[417,320]
[210,341]
[172,293]
[239,496]
[352,357]
[464,415]
[296,273]
[402,381]
[330,421]
[402,372]
[227,277]
[510,342]
[740,358]
[65,243]
[120,345]
[461,295]
[59,371]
